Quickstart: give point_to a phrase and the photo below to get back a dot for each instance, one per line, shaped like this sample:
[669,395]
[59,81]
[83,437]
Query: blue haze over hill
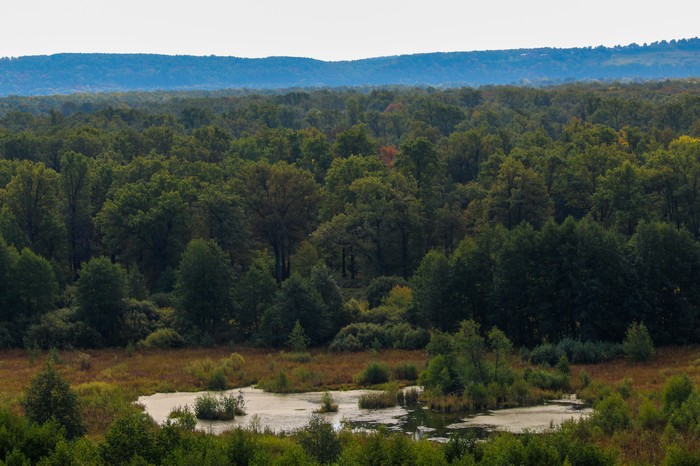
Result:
[70,73]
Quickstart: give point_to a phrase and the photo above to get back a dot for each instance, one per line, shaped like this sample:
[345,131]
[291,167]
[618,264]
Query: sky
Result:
[333,29]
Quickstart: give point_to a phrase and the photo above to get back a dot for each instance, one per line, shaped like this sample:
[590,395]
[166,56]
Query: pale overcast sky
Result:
[333,30]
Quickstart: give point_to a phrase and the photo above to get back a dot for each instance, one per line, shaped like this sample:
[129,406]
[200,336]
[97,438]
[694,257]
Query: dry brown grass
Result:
[647,376]
[165,370]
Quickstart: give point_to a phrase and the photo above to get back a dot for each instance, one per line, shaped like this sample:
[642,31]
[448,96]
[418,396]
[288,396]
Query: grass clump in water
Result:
[380,400]
[327,404]
[219,408]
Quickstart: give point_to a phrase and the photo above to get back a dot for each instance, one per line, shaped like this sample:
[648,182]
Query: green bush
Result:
[327,404]
[650,416]
[217,380]
[221,408]
[612,414]
[679,456]
[406,371]
[637,344]
[182,418]
[163,338]
[380,287]
[578,352]
[132,436]
[59,329]
[547,380]
[375,373]
[320,440]
[277,384]
[687,417]
[677,389]
[49,397]
[361,336]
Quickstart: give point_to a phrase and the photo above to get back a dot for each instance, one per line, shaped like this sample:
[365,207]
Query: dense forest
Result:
[69,73]
[368,217]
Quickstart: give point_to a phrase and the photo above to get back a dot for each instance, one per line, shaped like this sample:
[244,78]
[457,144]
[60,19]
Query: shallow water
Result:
[287,412]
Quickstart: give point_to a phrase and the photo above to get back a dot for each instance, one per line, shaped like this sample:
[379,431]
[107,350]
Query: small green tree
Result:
[637,344]
[49,397]
[297,339]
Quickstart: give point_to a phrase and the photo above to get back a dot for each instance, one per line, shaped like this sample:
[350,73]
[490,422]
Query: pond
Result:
[288,412]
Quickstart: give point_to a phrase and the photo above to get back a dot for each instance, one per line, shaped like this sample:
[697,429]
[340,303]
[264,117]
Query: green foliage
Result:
[217,380]
[297,339]
[637,344]
[405,371]
[222,407]
[277,384]
[100,297]
[182,418]
[50,398]
[203,288]
[327,404]
[60,329]
[576,351]
[130,437]
[547,380]
[163,338]
[374,374]
[612,414]
[319,440]
[379,288]
[362,336]
[678,456]
[677,390]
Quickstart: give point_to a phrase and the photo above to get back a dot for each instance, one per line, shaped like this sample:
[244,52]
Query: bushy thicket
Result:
[363,336]
[577,352]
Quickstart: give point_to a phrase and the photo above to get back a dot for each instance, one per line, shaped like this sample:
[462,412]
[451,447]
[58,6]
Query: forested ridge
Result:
[368,217]
[70,73]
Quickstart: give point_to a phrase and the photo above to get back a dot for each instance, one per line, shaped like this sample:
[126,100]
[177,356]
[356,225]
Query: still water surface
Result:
[287,412]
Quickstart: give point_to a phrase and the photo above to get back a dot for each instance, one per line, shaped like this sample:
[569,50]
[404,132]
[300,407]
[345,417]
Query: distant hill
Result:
[70,73]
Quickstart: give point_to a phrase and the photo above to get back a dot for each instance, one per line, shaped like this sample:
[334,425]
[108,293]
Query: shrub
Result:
[58,329]
[547,380]
[578,352]
[375,373]
[277,384]
[346,343]
[546,353]
[650,416]
[677,389]
[182,418]
[327,404]
[612,414]
[49,397]
[163,338]
[130,437]
[220,408]
[679,456]
[381,400]
[298,340]
[320,440]
[406,371]
[380,287]
[637,344]
[217,380]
